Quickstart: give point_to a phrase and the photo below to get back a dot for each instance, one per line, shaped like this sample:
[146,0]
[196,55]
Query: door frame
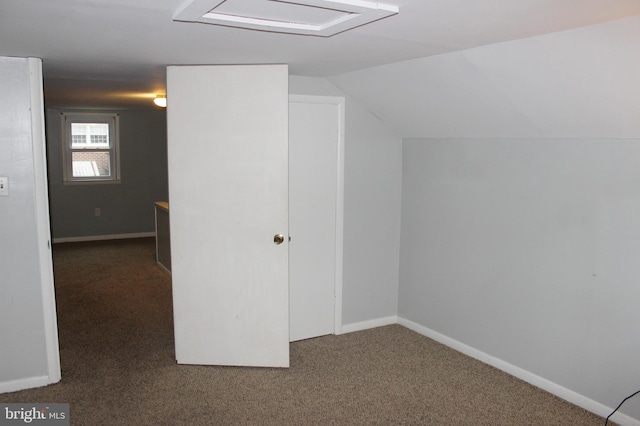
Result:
[339,252]
[49,310]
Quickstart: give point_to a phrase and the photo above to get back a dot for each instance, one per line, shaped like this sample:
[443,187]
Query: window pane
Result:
[89,135]
[86,164]
[99,140]
[78,128]
[91,147]
[78,139]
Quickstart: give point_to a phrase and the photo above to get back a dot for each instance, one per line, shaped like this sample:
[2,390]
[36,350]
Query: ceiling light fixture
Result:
[161,101]
[322,18]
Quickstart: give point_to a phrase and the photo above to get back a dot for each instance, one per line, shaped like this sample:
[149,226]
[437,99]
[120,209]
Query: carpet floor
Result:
[118,368]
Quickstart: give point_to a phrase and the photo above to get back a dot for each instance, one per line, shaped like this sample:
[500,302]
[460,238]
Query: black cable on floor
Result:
[606,421]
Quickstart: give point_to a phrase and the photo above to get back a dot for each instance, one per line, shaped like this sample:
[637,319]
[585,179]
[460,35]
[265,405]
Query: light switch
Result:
[4,186]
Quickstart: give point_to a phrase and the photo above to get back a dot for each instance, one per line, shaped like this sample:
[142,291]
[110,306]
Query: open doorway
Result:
[113,302]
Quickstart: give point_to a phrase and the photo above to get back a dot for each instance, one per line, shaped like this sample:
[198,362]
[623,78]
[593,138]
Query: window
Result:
[90,144]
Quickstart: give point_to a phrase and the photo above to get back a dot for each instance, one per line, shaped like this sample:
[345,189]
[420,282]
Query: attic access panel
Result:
[322,18]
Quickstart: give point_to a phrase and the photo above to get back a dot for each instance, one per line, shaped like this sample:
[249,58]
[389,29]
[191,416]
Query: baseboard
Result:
[542,383]
[28,383]
[164,268]
[364,325]
[104,237]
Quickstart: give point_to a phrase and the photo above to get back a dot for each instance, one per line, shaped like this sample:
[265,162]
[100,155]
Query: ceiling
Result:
[107,53]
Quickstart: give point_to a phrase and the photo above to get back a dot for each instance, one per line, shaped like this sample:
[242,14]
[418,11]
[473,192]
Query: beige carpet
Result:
[118,368]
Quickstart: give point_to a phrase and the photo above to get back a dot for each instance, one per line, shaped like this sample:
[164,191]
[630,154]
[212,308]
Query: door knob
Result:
[278,239]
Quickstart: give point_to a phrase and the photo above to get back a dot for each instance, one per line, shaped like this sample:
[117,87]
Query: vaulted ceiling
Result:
[114,52]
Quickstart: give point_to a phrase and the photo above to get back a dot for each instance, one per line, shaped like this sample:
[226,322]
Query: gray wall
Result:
[528,250]
[521,198]
[373,173]
[23,347]
[126,208]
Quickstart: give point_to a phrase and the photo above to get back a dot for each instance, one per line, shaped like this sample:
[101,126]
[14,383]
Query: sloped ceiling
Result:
[120,48]
[581,83]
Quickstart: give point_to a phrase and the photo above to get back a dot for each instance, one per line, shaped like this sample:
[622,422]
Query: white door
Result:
[313,204]
[228,198]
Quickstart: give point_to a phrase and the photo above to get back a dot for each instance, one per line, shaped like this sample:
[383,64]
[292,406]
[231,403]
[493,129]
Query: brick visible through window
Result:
[91,147]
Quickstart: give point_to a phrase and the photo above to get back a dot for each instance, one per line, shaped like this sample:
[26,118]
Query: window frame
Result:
[112,120]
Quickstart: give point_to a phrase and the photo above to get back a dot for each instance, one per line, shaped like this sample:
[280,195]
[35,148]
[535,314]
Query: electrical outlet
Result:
[4,186]
[97,211]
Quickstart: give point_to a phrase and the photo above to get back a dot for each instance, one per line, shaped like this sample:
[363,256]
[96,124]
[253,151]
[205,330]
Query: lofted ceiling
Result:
[106,53]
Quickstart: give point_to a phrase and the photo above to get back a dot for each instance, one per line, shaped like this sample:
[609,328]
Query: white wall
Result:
[521,198]
[578,83]
[28,352]
[373,173]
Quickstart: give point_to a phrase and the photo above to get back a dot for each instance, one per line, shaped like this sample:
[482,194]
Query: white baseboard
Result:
[28,383]
[104,237]
[364,325]
[553,388]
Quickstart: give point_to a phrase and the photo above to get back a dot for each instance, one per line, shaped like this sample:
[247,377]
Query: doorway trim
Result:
[339,260]
[42,219]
